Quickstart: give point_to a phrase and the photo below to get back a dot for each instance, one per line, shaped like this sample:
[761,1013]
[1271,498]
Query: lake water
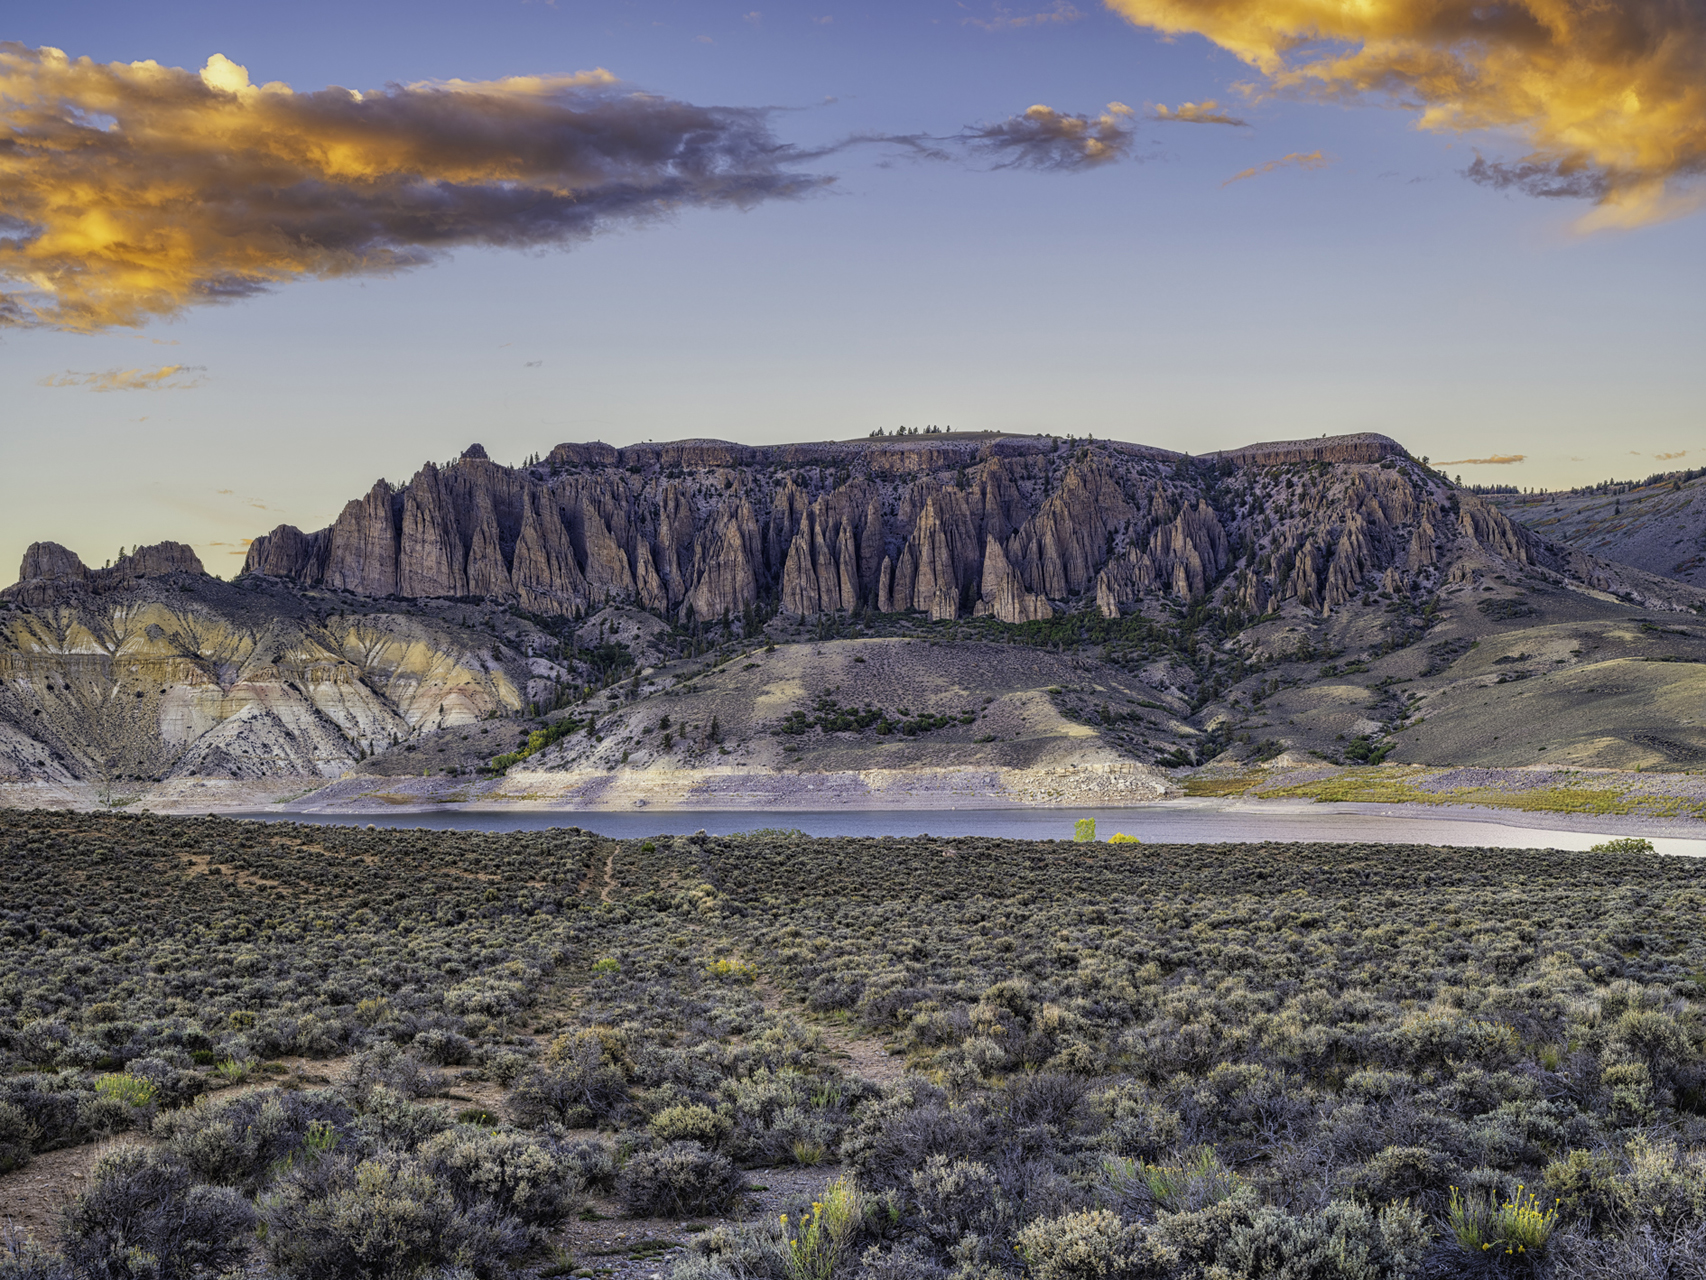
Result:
[1168,822]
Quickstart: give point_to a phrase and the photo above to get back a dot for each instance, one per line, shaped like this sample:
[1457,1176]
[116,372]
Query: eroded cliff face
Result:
[1321,535]
[700,528]
[48,569]
[1018,528]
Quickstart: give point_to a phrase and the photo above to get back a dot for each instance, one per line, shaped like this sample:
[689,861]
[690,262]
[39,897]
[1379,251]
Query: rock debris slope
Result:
[153,670]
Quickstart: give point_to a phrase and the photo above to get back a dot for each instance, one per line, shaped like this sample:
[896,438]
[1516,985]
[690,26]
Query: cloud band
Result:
[131,190]
[171,377]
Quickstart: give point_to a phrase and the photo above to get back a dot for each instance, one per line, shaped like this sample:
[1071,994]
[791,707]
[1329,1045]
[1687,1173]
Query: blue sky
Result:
[1147,299]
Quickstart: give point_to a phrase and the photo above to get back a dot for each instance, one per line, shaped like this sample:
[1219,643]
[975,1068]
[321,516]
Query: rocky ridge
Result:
[1018,528]
[48,569]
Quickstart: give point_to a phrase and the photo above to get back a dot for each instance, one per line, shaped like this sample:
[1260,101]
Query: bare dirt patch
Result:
[604,1241]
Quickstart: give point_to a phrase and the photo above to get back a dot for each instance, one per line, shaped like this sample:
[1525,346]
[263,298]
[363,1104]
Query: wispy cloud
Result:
[171,377]
[1196,113]
[1039,138]
[1497,460]
[131,190]
[1296,160]
[1609,95]
[1005,19]
[1668,457]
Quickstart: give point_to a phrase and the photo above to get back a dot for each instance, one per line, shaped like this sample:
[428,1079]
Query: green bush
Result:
[515,1173]
[1196,1182]
[1417,1175]
[132,1091]
[1518,1226]
[960,1197]
[1586,1186]
[1623,844]
[1344,1241]
[818,1241]
[242,1141]
[577,1085]
[1091,1245]
[692,1121]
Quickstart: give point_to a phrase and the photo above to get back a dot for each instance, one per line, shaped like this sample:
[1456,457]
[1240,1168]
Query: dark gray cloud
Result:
[1555,179]
[1039,138]
[1043,138]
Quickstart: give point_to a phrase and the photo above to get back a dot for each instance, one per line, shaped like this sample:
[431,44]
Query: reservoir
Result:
[1164,822]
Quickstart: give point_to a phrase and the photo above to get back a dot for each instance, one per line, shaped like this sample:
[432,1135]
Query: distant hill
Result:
[1657,527]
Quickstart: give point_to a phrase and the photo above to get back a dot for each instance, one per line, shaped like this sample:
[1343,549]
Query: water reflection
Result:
[1170,822]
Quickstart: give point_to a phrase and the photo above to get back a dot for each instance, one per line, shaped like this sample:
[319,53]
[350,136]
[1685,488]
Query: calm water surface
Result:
[1165,823]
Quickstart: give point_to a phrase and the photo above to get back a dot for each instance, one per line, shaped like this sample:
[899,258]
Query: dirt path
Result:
[862,1056]
[609,876]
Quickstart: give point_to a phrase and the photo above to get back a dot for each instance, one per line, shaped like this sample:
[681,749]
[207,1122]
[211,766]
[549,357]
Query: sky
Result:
[302,247]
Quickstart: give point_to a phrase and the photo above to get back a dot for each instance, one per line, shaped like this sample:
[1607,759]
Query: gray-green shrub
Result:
[145,1217]
[516,1173]
[680,1179]
[381,1218]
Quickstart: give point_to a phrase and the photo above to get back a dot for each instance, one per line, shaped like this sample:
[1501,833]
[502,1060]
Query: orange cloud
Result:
[1667,457]
[1609,94]
[131,190]
[1296,160]
[1497,460]
[171,377]
[1197,113]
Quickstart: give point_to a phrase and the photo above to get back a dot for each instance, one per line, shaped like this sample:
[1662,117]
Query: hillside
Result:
[1659,527]
[917,620]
